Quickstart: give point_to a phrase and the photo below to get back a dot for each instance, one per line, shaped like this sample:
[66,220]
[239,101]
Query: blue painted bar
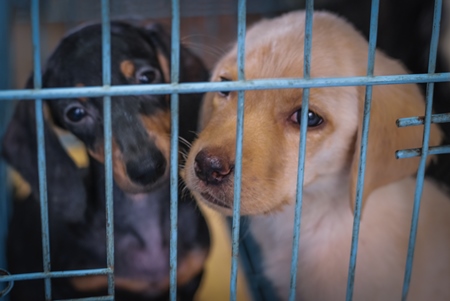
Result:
[41,148]
[5,288]
[257,84]
[239,141]
[425,148]
[174,113]
[56,274]
[106,55]
[416,152]
[302,148]
[100,298]
[5,108]
[419,120]
[363,150]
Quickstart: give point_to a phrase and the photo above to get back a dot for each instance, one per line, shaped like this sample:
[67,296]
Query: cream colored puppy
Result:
[274,49]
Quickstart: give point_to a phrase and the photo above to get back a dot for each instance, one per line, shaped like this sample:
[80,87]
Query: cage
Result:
[31,29]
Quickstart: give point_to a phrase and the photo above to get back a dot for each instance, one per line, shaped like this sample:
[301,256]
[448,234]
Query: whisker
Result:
[185,142]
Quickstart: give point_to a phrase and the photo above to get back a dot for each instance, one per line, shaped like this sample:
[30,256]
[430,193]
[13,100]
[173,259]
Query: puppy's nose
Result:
[147,170]
[211,168]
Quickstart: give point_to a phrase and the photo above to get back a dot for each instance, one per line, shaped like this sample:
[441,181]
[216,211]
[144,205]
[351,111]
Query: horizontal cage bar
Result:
[99,298]
[257,84]
[56,274]
[420,120]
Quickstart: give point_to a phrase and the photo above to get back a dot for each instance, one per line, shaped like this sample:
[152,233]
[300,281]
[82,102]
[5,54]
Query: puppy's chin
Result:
[251,204]
[258,197]
[213,203]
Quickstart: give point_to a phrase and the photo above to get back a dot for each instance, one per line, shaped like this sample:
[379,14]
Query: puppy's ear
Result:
[161,42]
[389,103]
[192,69]
[65,189]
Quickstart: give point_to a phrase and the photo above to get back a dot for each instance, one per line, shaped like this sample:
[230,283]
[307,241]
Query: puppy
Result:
[140,151]
[274,49]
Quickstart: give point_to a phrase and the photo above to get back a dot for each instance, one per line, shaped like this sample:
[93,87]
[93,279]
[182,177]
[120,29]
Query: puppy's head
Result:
[274,48]
[140,123]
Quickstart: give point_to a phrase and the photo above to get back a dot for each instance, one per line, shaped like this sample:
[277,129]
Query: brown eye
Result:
[224,93]
[147,77]
[76,114]
[313,118]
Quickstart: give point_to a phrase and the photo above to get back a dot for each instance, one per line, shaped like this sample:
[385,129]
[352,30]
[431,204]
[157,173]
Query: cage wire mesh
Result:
[68,13]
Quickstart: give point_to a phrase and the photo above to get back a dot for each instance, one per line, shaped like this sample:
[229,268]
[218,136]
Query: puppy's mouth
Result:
[209,198]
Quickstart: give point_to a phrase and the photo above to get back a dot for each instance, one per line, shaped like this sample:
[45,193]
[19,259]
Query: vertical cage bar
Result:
[41,147]
[5,201]
[106,56]
[302,147]
[174,112]
[239,140]
[425,145]
[363,149]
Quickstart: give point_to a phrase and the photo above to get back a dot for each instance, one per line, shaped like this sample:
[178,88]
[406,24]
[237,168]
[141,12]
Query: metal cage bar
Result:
[425,148]
[416,152]
[363,149]
[104,298]
[239,141]
[55,274]
[302,147]
[256,84]
[4,114]
[106,70]
[174,117]
[174,88]
[435,118]
[37,81]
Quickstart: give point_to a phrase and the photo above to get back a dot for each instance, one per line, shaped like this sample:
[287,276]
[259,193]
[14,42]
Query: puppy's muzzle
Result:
[147,170]
[212,168]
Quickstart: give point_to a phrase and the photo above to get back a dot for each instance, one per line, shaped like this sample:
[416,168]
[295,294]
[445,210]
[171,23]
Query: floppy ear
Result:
[192,69]
[161,43]
[65,189]
[389,103]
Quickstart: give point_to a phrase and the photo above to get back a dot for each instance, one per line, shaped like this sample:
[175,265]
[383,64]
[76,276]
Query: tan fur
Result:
[158,128]
[119,169]
[98,282]
[274,49]
[80,85]
[127,68]
[164,63]
[189,266]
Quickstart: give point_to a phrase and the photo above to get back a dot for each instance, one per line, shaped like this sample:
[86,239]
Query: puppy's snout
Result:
[145,171]
[212,168]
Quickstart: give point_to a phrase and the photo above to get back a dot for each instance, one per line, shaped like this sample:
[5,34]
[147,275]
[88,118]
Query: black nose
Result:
[212,167]
[147,170]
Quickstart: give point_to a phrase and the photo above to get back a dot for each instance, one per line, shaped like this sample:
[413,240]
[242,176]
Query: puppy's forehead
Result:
[78,58]
[275,49]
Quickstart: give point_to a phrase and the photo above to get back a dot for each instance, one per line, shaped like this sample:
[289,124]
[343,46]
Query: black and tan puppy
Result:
[141,146]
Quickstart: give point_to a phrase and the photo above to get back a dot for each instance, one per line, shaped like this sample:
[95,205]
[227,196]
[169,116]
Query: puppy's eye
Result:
[147,77]
[76,114]
[313,118]
[224,93]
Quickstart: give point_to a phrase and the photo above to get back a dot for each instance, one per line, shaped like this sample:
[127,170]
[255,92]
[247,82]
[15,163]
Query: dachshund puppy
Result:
[274,49]
[140,151]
